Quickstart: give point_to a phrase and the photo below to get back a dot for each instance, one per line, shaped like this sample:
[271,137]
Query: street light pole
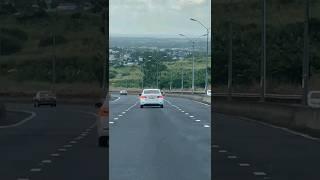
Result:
[181,79]
[170,80]
[193,68]
[263,58]
[207,63]
[192,59]
[230,62]
[305,70]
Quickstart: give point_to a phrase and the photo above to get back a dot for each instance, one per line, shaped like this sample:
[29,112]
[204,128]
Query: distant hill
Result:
[155,42]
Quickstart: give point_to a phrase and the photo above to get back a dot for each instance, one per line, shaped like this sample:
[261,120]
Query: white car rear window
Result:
[151,92]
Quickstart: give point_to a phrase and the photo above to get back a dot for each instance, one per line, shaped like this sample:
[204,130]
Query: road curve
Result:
[246,149]
[58,143]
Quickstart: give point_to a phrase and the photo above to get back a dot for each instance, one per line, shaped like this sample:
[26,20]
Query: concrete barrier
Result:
[200,98]
[289,116]
[2,112]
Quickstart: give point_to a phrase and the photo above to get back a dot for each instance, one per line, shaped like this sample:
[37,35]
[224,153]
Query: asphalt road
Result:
[58,143]
[172,143]
[244,149]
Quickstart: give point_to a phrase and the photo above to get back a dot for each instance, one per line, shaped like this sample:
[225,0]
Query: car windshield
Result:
[45,94]
[154,91]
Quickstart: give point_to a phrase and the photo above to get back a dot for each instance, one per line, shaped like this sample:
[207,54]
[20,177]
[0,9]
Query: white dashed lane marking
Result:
[55,155]
[48,161]
[244,164]
[259,173]
[232,157]
[35,169]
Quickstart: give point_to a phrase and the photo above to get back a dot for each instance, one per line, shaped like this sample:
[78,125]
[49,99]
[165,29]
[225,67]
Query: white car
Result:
[151,97]
[123,92]
[103,122]
[209,92]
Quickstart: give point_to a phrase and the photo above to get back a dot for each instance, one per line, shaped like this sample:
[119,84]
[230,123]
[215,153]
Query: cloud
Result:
[158,16]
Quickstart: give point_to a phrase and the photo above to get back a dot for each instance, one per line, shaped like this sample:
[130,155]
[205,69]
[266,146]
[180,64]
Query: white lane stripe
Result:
[48,161]
[62,149]
[206,126]
[111,122]
[198,120]
[33,114]
[191,116]
[244,164]
[119,115]
[115,118]
[259,173]
[215,146]
[232,157]
[116,99]
[281,128]
[202,103]
[35,169]
[55,155]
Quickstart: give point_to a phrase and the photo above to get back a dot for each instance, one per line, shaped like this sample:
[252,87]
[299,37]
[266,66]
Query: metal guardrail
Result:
[280,98]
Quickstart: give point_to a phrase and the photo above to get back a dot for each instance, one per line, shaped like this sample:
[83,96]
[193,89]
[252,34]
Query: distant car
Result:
[151,97]
[44,98]
[209,92]
[103,122]
[123,92]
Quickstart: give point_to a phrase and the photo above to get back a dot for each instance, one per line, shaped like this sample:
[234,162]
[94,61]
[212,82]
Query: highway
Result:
[170,143]
[57,143]
[246,149]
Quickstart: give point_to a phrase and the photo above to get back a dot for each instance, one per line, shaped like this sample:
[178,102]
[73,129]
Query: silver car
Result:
[103,122]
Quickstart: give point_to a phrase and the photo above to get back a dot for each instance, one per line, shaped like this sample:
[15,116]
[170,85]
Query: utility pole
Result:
[54,51]
[170,80]
[157,74]
[263,58]
[54,60]
[142,76]
[207,63]
[0,42]
[230,61]
[181,80]
[305,70]
[192,67]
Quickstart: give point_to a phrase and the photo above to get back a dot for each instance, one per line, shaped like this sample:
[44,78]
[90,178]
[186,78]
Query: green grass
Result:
[133,74]
[37,29]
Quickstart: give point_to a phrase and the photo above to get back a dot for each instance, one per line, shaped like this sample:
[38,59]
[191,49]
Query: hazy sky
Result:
[158,17]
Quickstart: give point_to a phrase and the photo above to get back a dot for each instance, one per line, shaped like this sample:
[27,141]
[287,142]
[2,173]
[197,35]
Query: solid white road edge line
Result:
[32,115]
